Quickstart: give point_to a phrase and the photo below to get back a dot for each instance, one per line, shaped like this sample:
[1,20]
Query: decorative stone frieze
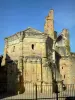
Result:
[32,59]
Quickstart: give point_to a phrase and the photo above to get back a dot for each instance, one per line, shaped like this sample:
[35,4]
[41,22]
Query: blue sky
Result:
[17,15]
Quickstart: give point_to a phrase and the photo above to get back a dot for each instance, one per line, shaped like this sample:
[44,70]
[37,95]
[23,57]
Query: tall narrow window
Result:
[64,76]
[33,46]
[13,48]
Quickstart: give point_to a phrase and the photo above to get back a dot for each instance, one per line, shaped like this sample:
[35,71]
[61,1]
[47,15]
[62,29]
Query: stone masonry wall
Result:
[67,70]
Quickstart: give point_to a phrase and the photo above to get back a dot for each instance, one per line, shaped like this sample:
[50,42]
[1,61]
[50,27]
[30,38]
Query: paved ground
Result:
[32,95]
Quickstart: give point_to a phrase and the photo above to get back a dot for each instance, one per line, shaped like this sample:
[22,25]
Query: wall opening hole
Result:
[13,48]
[64,76]
[33,46]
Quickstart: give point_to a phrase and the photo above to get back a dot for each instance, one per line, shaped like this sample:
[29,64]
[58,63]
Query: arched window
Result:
[33,46]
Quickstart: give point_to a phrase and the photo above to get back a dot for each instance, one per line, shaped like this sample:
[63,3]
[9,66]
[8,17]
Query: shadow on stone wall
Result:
[2,77]
[55,68]
[58,57]
[70,98]
[1,57]
[49,45]
[12,80]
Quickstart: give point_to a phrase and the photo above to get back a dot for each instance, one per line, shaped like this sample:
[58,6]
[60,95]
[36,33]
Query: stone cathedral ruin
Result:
[26,54]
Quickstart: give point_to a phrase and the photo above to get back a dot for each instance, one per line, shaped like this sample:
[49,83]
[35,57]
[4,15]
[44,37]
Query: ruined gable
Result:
[27,53]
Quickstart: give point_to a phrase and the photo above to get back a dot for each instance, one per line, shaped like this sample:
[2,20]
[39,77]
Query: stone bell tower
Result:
[49,24]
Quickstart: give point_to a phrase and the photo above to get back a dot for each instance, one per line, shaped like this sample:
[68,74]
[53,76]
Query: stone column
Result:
[24,69]
[20,61]
[20,64]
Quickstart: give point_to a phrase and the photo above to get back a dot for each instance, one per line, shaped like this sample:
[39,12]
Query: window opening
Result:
[64,76]
[33,46]
[13,48]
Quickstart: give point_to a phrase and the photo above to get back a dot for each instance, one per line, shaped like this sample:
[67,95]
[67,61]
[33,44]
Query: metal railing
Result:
[33,92]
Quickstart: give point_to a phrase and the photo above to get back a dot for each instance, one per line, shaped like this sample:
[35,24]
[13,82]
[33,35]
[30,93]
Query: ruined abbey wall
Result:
[27,56]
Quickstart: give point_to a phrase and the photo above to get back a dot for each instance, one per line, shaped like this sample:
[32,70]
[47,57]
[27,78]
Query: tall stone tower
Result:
[49,24]
[65,34]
